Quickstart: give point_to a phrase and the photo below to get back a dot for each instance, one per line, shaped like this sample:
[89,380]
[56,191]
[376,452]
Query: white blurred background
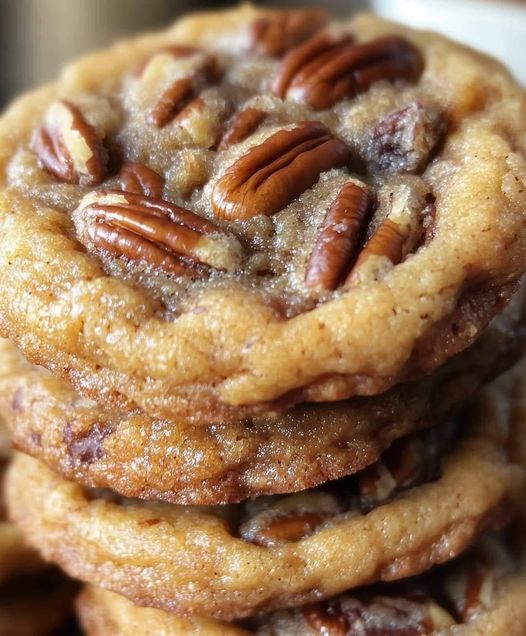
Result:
[38,36]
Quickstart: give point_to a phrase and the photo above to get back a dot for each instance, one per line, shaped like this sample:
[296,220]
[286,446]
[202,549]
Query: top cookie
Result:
[256,208]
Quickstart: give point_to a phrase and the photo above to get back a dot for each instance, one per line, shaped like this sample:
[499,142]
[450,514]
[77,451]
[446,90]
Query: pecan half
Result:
[164,235]
[243,124]
[404,140]
[68,146]
[335,247]
[139,179]
[278,31]
[176,98]
[322,71]
[270,176]
[396,236]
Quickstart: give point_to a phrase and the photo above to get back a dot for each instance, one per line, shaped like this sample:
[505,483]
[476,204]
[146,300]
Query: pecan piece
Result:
[139,179]
[277,32]
[287,528]
[176,51]
[326,618]
[479,591]
[174,100]
[290,519]
[243,124]
[378,616]
[270,176]
[68,146]
[336,244]
[404,465]
[163,234]
[322,71]
[396,236]
[471,589]
[404,140]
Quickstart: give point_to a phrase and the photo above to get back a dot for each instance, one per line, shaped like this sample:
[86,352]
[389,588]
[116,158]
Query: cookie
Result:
[185,464]
[258,208]
[424,503]
[482,593]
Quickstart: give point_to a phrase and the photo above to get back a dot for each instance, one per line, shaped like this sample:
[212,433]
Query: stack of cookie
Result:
[266,263]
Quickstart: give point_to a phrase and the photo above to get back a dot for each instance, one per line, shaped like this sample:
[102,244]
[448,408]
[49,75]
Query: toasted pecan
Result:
[323,71]
[174,100]
[396,236]
[278,31]
[163,234]
[242,125]
[271,175]
[68,146]
[336,245]
[140,179]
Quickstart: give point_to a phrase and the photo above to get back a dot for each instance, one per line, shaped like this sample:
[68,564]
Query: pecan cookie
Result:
[257,208]
[425,502]
[481,593]
[181,463]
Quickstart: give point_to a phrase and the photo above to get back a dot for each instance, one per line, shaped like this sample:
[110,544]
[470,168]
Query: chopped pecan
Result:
[471,588]
[176,102]
[139,179]
[393,240]
[402,466]
[478,591]
[195,105]
[183,91]
[379,616]
[288,519]
[326,618]
[69,147]
[335,247]
[322,71]
[270,176]
[405,139]
[164,235]
[278,31]
[289,527]
[242,125]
